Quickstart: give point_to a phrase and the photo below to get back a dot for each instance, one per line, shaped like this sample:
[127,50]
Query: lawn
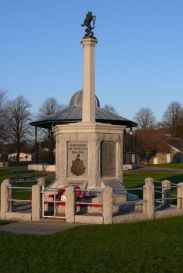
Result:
[136,179]
[146,247]
[168,165]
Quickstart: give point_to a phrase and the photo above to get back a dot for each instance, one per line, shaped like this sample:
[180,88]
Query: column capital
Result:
[89,41]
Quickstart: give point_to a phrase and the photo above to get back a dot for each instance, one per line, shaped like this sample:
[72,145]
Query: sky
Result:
[138,58]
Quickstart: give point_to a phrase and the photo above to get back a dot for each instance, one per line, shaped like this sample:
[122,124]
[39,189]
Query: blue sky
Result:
[139,55]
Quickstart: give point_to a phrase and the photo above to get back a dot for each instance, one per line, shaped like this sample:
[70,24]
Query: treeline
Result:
[154,136]
[15,131]
[16,135]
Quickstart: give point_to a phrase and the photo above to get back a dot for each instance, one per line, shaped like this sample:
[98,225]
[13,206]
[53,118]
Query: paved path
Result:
[36,228]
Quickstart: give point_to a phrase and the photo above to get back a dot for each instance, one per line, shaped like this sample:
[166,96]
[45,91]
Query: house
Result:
[23,157]
[174,153]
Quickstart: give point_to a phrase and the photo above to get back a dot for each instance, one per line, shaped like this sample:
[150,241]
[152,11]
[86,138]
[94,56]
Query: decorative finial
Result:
[90,19]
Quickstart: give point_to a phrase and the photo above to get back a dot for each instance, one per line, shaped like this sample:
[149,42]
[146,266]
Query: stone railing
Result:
[155,202]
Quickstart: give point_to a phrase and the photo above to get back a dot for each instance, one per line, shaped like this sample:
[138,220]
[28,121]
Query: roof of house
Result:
[73,113]
[176,143]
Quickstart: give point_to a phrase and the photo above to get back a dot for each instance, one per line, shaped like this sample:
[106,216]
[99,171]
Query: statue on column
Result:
[89,24]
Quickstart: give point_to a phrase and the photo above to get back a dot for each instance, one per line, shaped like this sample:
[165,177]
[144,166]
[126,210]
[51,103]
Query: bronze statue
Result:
[90,19]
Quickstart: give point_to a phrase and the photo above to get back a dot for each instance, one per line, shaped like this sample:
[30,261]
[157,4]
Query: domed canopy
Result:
[77,99]
[73,113]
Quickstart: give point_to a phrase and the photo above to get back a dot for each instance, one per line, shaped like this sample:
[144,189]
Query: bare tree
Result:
[145,118]
[110,108]
[49,107]
[149,141]
[18,118]
[173,119]
[3,109]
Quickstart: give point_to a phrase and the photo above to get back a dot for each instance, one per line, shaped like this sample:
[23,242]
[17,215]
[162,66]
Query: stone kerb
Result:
[180,195]
[148,197]
[4,198]
[70,204]
[107,205]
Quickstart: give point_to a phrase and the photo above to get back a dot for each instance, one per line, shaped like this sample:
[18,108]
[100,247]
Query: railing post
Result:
[107,205]
[70,204]
[41,181]
[148,198]
[36,203]
[180,195]
[4,198]
[166,185]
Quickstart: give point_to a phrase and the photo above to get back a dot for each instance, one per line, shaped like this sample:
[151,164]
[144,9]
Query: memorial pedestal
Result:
[88,153]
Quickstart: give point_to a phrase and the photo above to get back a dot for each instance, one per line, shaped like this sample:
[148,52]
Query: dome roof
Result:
[77,98]
[73,113]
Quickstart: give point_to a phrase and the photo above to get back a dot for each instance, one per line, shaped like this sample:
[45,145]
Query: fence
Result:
[156,199]
[19,176]
[53,203]
[20,203]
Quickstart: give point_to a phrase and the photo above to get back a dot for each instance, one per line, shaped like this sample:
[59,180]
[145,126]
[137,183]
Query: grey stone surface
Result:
[86,219]
[36,228]
[115,185]
[108,158]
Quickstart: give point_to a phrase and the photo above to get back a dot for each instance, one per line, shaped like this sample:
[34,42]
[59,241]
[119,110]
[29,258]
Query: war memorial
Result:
[89,181]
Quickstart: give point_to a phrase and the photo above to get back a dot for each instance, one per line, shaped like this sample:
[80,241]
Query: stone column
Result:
[88,106]
[166,191]
[107,205]
[4,198]
[41,181]
[119,163]
[70,204]
[93,163]
[148,198]
[36,203]
[180,195]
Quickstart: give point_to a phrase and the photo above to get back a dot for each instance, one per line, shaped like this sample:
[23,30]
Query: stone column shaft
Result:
[148,197]
[107,205]
[4,198]
[166,185]
[88,107]
[180,195]
[36,202]
[70,204]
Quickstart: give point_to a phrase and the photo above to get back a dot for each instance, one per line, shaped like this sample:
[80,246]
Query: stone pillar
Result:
[41,181]
[88,105]
[107,205]
[180,195]
[93,163]
[36,203]
[166,185]
[4,198]
[148,198]
[119,162]
[70,204]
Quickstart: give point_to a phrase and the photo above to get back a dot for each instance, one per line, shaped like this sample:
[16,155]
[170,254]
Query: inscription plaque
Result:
[108,159]
[77,154]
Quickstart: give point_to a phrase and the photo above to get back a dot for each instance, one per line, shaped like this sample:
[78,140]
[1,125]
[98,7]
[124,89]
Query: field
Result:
[145,247]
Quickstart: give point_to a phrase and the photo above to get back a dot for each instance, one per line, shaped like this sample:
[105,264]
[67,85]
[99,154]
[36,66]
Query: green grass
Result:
[168,165]
[146,247]
[4,223]
[137,179]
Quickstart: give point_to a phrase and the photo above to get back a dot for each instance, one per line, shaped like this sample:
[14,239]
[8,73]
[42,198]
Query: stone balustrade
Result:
[107,216]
